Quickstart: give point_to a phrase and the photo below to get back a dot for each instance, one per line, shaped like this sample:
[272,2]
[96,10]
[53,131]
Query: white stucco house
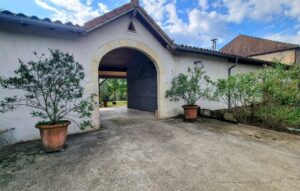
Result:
[125,42]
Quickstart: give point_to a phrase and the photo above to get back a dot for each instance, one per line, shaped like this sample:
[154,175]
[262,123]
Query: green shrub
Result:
[279,116]
[190,87]
[113,89]
[271,94]
[52,88]
[243,93]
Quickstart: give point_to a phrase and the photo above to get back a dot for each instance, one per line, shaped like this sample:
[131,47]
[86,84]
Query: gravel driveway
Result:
[142,153]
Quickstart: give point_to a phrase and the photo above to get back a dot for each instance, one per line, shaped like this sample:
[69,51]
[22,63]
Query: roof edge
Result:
[108,21]
[24,20]
[220,54]
[242,39]
[157,28]
[295,48]
[143,14]
[276,41]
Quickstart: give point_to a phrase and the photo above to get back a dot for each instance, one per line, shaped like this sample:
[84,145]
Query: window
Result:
[131,27]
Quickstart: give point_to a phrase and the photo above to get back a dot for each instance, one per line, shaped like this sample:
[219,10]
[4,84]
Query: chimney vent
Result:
[135,2]
[214,44]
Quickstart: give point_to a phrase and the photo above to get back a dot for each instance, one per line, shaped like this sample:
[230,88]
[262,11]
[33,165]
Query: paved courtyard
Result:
[134,151]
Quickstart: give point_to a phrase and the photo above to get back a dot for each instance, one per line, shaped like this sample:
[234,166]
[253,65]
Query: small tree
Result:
[280,86]
[243,93]
[52,88]
[190,87]
[123,89]
[271,95]
[104,91]
[113,87]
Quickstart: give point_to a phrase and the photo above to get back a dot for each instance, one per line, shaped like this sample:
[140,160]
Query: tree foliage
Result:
[115,88]
[280,86]
[190,87]
[242,91]
[271,94]
[51,86]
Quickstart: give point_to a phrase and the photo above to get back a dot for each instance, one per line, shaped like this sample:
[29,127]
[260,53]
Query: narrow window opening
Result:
[131,27]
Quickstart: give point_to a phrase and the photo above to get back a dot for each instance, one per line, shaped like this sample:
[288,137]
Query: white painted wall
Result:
[20,43]
[215,68]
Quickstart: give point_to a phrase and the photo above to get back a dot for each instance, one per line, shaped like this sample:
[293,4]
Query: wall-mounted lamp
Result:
[200,63]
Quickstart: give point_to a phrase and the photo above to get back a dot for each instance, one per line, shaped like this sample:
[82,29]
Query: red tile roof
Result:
[99,21]
[249,46]
[132,6]
[108,16]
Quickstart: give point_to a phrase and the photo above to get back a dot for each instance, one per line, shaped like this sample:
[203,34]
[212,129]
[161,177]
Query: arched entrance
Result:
[132,68]
[93,84]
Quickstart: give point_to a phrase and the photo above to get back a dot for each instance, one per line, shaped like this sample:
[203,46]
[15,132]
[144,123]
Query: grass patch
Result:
[119,104]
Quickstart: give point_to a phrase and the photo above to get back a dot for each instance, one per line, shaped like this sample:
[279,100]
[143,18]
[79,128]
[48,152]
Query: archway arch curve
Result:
[133,44]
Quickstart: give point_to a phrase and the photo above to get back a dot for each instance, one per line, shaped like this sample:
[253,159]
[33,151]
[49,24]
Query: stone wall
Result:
[286,57]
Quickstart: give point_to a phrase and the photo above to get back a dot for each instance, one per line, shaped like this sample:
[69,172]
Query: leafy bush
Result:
[280,87]
[115,88]
[280,84]
[51,87]
[271,95]
[188,87]
[279,116]
[243,93]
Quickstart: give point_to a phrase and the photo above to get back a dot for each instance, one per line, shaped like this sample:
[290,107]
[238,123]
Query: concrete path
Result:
[138,152]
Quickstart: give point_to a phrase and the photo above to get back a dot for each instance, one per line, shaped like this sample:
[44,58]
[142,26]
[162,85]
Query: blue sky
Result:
[190,22]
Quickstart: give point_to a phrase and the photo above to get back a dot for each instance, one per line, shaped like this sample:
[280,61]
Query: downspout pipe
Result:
[229,74]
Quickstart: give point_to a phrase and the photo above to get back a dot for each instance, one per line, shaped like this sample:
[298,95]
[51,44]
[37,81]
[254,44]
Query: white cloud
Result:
[173,23]
[237,10]
[293,9]
[289,38]
[211,18]
[44,5]
[89,2]
[259,10]
[203,4]
[103,8]
[72,10]
[156,8]
[199,28]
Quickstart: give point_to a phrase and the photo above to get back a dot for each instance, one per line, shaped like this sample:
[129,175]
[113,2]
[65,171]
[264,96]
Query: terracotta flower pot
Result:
[54,136]
[190,112]
[105,103]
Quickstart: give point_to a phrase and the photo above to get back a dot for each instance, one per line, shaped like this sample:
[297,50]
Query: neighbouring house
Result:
[124,43]
[263,49]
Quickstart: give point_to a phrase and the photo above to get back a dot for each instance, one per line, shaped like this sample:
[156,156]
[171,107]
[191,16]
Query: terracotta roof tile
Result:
[108,16]
[181,47]
[248,46]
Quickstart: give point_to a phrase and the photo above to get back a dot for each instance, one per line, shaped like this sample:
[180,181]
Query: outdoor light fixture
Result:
[199,62]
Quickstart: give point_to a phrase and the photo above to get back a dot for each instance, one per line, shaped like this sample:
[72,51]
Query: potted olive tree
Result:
[190,88]
[51,87]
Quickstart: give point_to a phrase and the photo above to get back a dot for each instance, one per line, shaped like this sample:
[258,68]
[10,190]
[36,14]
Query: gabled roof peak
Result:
[139,13]
[135,2]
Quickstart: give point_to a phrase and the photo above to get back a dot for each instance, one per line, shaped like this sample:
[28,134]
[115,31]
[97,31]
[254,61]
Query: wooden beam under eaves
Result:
[112,74]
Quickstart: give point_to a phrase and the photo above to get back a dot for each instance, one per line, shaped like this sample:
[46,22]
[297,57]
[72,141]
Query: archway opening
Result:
[134,69]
